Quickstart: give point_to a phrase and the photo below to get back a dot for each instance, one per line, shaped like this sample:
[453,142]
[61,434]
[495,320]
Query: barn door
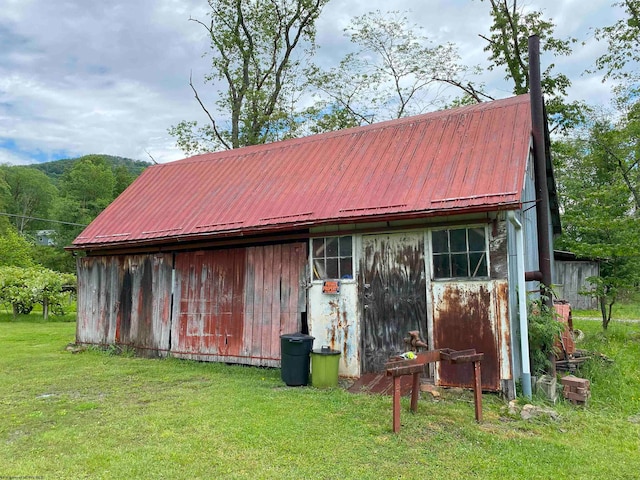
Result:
[232,305]
[465,316]
[393,295]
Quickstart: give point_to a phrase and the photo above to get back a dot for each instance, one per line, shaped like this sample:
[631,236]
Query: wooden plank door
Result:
[394,295]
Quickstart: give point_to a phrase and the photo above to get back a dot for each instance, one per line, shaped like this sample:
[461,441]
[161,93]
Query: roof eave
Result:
[294,226]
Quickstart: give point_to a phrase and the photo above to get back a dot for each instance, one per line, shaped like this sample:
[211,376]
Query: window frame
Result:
[338,257]
[468,252]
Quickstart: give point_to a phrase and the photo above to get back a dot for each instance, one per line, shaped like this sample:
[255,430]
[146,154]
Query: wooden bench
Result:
[397,368]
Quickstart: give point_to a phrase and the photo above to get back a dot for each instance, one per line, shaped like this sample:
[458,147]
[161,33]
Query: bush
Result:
[22,288]
[544,329]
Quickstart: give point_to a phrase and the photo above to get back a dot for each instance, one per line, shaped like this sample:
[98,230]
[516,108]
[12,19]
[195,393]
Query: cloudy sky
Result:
[110,76]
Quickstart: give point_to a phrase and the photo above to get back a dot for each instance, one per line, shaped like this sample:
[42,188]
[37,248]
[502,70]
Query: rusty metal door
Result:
[394,296]
[464,316]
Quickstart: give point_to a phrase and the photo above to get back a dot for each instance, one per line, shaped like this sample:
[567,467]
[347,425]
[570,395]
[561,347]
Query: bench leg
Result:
[396,404]
[415,392]
[477,390]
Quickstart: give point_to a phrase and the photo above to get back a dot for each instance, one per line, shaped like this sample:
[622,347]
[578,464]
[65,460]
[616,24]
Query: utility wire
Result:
[42,219]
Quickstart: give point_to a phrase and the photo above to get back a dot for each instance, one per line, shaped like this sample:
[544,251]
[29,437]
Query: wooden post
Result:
[415,392]
[477,390]
[396,404]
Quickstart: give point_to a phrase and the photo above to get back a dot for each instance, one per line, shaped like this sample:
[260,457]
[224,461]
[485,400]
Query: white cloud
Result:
[111,77]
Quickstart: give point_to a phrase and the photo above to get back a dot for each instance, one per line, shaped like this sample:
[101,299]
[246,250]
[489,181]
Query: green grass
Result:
[627,309]
[6,314]
[96,415]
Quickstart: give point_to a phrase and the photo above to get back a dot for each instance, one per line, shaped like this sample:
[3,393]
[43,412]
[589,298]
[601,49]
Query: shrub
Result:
[544,329]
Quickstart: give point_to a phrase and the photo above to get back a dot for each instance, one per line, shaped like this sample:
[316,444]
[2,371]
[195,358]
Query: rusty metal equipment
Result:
[416,366]
[414,342]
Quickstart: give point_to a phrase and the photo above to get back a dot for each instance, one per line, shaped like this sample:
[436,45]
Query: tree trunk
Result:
[603,311]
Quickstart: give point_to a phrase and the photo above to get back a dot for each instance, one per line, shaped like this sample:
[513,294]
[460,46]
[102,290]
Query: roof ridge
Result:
[280,144]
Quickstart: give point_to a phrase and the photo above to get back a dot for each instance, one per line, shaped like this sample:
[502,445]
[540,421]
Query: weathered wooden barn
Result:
[357,236]
[570,279]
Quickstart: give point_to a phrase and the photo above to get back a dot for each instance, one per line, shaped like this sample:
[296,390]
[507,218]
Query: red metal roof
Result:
[460,160]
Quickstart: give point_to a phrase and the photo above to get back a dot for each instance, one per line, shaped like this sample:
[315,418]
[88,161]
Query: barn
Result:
[358,236]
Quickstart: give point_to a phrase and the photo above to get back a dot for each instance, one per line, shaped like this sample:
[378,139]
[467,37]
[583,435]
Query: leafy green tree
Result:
[56,257]
[623,39]
[15,250]
[600,217]
[507,45]
[122,179]
[22,288]
[91,183]
[5,190]
[71,211]
[85,191]
[31,195]
[254,52]
[395,71]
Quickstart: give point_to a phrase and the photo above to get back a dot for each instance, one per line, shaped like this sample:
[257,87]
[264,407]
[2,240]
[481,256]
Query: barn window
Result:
[459,253]
[332,258]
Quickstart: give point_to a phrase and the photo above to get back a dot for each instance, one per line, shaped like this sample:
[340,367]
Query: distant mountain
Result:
[57,168]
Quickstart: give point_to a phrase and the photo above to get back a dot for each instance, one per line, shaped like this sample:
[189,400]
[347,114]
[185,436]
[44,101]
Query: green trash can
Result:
[324,367]
[294,358]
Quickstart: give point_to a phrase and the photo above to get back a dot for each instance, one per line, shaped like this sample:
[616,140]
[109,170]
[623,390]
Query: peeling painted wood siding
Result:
[498,250]
[208,284]
[229,305]
[125,300]
[232,305]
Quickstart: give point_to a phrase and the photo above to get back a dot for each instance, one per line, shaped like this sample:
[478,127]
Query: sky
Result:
[111,76]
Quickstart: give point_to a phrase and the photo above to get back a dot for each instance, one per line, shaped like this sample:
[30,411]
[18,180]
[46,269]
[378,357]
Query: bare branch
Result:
[150,156]
[211,119]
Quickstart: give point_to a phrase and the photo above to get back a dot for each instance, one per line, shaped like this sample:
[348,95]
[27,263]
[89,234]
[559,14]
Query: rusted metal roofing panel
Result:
[466,159]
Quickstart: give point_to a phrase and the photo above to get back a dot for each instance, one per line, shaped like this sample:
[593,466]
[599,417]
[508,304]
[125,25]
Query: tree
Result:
[623,38]
[90,182]
[254,52]
[507,45]
[396,71]
[22,288]
[85,191]
[600,211]
[31,195]
[15,250]
[122,179]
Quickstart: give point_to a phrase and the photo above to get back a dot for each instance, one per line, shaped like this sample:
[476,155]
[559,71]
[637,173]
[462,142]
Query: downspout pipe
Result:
[522,306]
[540,165]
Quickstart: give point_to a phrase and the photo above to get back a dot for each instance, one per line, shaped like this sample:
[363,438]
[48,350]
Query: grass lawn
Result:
[96,415]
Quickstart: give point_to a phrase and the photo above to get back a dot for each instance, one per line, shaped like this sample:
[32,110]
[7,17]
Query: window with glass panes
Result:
[332,258]
[459,252]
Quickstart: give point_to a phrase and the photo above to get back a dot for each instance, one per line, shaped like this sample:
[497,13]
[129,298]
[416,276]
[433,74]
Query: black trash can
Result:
[294,358]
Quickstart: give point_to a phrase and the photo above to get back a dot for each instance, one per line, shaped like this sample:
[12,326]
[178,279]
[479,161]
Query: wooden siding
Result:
[232,305]
[229,305]
[571,278]
[125,300]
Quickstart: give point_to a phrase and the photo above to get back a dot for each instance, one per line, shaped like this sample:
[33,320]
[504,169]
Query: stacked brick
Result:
[575,389]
